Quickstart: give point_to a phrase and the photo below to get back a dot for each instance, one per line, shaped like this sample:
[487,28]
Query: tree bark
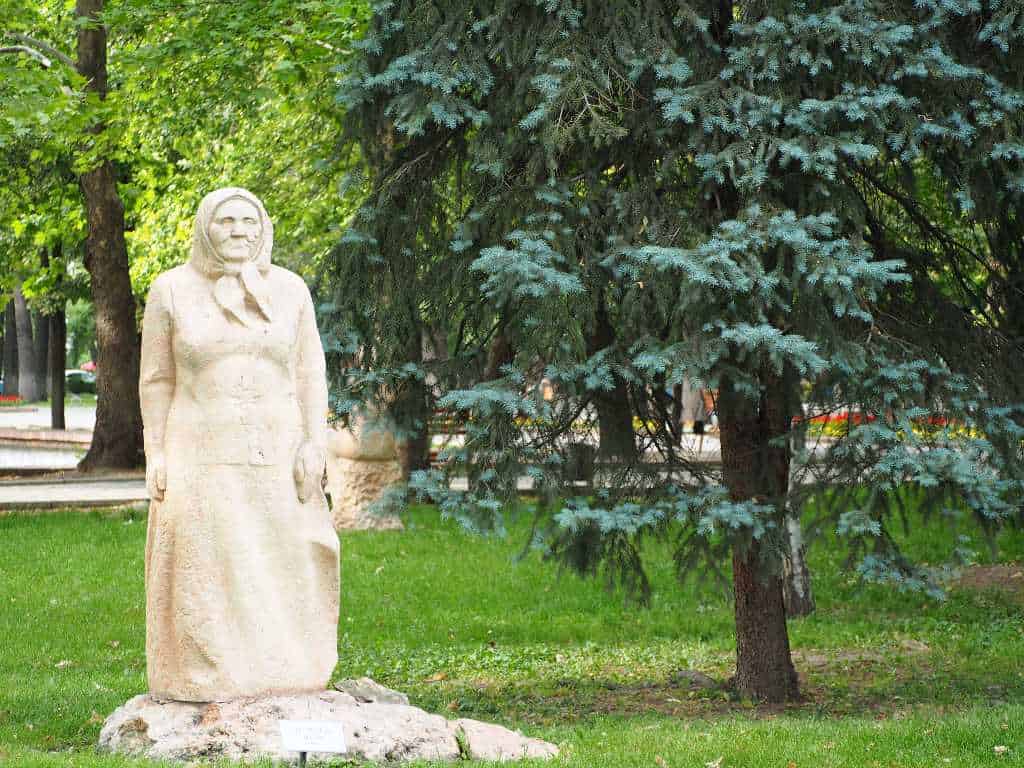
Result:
[117,436]
[754,469]
[412,414]
[58,361]
[616,436]
[58,335]
[764,667]
[41,342]
[32,387]
[11,382]
[617,439]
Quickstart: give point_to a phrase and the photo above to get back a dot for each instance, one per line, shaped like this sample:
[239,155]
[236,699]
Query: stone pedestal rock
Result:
[377,728]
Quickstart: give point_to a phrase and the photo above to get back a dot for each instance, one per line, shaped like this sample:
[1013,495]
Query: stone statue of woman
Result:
[241,556]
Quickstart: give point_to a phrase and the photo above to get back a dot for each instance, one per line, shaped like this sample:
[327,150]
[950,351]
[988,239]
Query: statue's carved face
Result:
[234,231]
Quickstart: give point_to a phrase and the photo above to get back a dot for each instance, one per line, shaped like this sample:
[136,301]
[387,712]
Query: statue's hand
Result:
[156,476]
[309,470]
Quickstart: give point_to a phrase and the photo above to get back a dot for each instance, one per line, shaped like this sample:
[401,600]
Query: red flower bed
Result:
[843,418]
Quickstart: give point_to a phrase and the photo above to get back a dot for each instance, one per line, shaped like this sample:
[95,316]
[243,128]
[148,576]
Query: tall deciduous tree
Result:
[117,436]
[639,194]
[194,81]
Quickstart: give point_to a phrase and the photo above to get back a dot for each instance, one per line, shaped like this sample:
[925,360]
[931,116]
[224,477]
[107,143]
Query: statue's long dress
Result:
[241,577]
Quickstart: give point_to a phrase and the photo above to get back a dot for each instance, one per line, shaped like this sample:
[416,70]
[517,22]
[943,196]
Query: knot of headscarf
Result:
[232,288]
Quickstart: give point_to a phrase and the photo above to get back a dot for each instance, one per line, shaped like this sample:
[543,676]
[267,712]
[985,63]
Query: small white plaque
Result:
[312,736]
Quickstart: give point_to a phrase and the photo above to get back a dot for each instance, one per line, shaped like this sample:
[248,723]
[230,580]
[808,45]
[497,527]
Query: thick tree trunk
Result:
[117,436]
[58,361]
[412,414]
[764,667]
[617,439]
[499,353]
[753,468]
[32,387]
[11,382]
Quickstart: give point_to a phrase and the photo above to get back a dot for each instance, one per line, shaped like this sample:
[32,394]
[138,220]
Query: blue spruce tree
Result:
[617,197]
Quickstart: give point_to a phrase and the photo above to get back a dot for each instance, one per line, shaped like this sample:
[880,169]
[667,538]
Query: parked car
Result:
[79,382]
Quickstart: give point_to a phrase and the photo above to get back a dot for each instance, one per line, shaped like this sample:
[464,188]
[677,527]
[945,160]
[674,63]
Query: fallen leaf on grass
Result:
[1000,749]
[437,677]
[453,705]
[62,664]
[715,763]
[95,718]
[660,761]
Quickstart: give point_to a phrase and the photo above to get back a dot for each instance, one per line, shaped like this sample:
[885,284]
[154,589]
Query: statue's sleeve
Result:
[311,376]
[156,369]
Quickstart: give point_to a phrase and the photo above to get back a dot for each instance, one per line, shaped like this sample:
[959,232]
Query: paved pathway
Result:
[48,493]
[27,443]
[38,417]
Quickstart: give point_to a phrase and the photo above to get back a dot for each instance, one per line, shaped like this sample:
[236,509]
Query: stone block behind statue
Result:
[241,556]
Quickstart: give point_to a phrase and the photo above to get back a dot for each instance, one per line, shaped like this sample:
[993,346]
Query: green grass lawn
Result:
[466,630]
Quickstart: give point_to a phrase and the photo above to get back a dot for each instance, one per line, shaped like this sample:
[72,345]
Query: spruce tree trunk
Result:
[32,387]
[117,436]
[412,414]
[764,667]
[11,381]
[755,469]
[58,361]
[615,424]
[617,439]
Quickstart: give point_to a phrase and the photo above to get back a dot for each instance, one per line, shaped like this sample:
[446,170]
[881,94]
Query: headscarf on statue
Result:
[234,286]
